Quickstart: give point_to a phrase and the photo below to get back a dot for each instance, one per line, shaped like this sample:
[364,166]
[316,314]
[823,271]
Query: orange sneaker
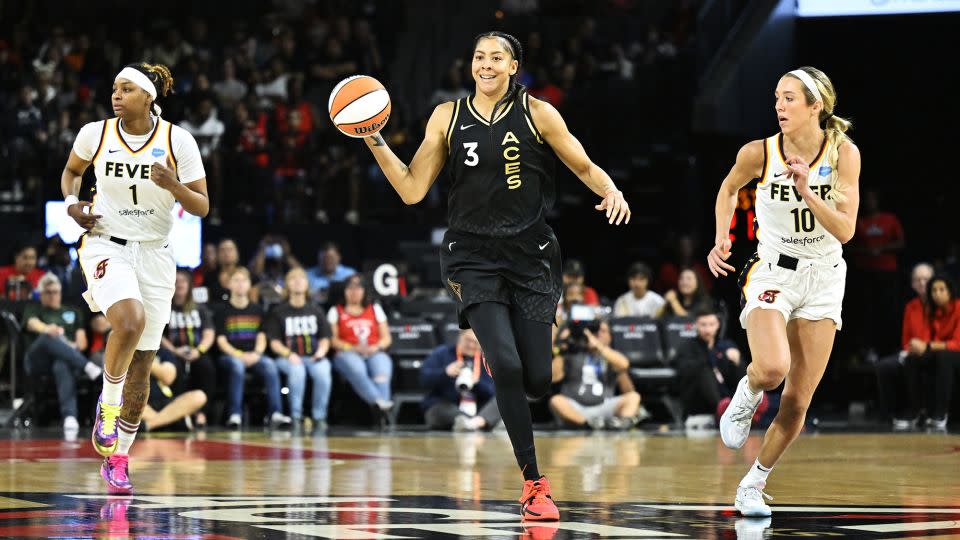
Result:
[537,502]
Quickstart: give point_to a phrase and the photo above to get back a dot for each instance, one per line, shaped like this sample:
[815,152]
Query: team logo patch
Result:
[455,287]
[157,152]
[69,317]
[101,269]
[769,296]
[825,170]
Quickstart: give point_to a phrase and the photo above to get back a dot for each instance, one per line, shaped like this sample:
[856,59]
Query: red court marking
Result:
[168,450]
[43,514]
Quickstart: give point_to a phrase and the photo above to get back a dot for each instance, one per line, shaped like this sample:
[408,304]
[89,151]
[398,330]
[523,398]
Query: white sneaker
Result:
[235,421]
[463,424]
[939,424]
[384,404]
[753,528]
[750,503]
[70,424]
[903,424]
[280,420]
[736,420]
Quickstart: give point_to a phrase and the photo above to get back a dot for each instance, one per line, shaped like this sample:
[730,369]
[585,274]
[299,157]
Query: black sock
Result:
[528,463]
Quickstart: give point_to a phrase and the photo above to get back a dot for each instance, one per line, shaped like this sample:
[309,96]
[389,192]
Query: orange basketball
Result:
[359,106]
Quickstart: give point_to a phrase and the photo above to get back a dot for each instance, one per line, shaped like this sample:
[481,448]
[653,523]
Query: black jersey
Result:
[501,176]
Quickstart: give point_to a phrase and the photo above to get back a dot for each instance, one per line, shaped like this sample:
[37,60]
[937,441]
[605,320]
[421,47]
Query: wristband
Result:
[201,349]
[70,200]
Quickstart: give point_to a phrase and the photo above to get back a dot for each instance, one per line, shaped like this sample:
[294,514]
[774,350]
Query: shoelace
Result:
[109,414]
[756,494]
[538,490]
[119,464]
[743,411]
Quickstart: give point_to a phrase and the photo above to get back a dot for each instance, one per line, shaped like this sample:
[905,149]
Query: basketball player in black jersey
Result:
[499,257]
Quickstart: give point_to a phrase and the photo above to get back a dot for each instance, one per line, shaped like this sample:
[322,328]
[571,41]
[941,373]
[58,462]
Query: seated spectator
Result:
[588,369]
[189,336]
[58,341]
[228,260]
[300,337]
[361,335]
[457,384]
[573,273]
[273,260]
[684,256]
[689,297]
[165,404]
[242,343]
[639,301]
[99,328]
[708,369]
[208,266]
[18,280]
[942,346]
[903,401]
[573,293]
[328,271]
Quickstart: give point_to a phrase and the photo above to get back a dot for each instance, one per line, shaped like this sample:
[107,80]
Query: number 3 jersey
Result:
[132,206]
[784,221]
[501,175]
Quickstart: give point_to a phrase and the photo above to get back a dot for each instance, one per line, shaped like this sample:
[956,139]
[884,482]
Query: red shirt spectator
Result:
[879,236]
[945,326]
[18,280]
[914,323]
[355,329]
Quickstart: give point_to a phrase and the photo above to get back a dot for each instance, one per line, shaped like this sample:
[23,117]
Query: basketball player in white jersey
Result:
[143,164]
[792,288]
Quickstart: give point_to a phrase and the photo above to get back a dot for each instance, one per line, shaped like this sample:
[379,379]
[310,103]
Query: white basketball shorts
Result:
[143,271]
[812,291]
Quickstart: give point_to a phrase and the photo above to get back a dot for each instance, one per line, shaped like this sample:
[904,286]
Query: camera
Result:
[465,380]
[582,317]
[273,251]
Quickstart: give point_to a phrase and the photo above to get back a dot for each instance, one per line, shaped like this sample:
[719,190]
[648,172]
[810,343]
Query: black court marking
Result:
[222,517]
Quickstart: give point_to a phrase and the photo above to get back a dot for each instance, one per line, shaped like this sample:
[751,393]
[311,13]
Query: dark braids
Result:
[159,75]
[516,51]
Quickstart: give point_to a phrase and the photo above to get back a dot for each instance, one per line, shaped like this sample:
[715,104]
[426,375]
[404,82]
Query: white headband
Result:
[138,78]
[807,81]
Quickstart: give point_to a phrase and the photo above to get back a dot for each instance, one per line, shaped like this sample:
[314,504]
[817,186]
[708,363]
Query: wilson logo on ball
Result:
[359,106]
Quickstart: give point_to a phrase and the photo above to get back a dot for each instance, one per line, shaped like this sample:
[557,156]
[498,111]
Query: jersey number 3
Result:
[472,157]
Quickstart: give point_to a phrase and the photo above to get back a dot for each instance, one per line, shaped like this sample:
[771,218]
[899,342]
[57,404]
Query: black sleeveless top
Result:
[501,176]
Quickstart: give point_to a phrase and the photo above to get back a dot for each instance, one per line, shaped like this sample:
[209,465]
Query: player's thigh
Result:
[767,336]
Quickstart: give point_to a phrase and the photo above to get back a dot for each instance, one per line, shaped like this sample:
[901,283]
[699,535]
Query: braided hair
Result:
[512,46]
[160,76]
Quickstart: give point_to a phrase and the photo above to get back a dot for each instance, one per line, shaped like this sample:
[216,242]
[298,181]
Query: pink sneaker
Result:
[114,471]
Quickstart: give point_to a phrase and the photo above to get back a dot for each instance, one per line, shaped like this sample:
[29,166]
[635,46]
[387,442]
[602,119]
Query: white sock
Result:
[127,433]
[92,370]
[757,475]
[113,387]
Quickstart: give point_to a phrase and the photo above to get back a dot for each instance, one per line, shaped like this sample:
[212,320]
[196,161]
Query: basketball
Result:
[359,106]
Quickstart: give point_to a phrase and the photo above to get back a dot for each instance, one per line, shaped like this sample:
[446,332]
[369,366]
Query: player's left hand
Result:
[164,176]
[800,172]
[616,207]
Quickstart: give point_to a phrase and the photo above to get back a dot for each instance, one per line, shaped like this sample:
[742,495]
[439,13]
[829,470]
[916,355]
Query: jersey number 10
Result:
[803,219]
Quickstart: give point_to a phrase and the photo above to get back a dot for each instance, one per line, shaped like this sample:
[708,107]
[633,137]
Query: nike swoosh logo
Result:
[466,127]
[112,151]
[544,245]
[450,247]
[779,174]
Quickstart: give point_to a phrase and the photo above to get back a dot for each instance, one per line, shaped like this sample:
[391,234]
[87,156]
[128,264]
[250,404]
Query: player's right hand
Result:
[717,258]
[83,219]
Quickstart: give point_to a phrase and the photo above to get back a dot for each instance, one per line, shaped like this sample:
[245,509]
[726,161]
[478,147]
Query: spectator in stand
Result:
[167,404]
[292,162]
[229,90]
[207,129]
[300,338]
[943,345]
[684,256]
[708,369]
[360,336]
[270,264]
[59,339]
[452,88]
[457,386]
[18,280]
[879,237]
[328,271]
[99,328]
[242,344]
[906,366]
[688,298]
[369,59]
[25,134]
[188,338]
[206,274]
[228,260]
[573,272]
[587,368]
[639,301]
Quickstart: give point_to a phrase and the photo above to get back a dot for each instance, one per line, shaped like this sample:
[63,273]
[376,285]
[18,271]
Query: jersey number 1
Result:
[133,188]
[803,219]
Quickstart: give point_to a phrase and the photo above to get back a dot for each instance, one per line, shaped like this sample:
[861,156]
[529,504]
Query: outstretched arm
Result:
[749,165]
[413,181]
[571,153]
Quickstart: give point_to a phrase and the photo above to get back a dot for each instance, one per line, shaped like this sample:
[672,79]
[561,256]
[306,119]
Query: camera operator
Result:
[589,371]
[458,385]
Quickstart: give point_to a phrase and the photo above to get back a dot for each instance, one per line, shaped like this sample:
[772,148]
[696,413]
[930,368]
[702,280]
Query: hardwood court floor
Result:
[418,485]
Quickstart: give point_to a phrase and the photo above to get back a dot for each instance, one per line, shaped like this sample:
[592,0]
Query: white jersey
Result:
[132,206]
[784,221]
